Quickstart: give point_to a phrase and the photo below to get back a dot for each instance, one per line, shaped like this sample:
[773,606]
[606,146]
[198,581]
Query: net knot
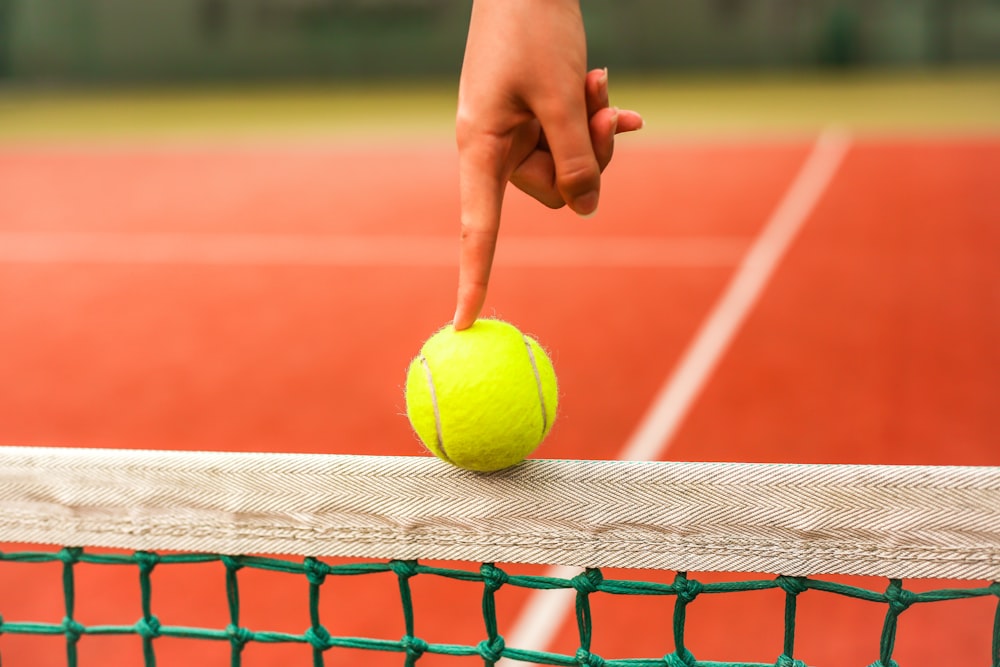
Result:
[148,628]
[587,659]
[994,588]
[233,562]
[319,638]
[316,570]
[792,585]
[70,555]
[685,659]
[788,661]
[404,568]
[493,576]
[587,581]
[491,649]
[687,589]
[72,630]
[414,646]
[146,560]
[238,636]
[899,598]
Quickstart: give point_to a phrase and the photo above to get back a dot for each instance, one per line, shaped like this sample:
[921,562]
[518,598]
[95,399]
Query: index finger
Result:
[481,188]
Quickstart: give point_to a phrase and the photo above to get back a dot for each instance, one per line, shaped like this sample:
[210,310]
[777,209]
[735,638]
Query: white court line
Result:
[358,251]
[545,611]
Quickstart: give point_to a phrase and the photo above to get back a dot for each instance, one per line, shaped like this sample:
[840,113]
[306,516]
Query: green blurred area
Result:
[73,41]
[103,69]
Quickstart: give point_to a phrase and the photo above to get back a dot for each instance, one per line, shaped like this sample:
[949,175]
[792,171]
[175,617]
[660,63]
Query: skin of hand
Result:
[528,113]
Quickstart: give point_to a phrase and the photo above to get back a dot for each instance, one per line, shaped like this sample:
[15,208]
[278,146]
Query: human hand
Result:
[530,114]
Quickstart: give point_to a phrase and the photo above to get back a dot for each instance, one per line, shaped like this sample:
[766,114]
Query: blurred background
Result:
[214,341]
[99,67]
[77,41]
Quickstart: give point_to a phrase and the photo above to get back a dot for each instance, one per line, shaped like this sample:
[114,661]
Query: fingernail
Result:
[604,80]
[585,206]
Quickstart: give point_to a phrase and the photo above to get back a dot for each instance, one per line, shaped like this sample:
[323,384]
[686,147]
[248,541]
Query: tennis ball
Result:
[482,398]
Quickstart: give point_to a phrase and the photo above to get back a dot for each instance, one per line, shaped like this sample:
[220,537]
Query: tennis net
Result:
[303,514]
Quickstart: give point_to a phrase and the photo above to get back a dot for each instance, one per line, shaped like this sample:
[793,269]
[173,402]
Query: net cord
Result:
[795,520]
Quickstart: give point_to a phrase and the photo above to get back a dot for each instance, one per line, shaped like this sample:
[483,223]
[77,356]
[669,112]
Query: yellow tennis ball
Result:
[483,398]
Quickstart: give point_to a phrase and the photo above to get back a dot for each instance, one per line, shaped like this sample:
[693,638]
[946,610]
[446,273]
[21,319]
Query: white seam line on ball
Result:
[437,410]
[538,382]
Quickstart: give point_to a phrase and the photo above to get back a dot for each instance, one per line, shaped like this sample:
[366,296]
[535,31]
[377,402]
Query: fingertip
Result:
[596,90]
[629,121]
[470,303]
[459,321]
[598,76]
[585,205]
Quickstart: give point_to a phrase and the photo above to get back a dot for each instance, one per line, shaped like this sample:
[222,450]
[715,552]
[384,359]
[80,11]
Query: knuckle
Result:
[465,127]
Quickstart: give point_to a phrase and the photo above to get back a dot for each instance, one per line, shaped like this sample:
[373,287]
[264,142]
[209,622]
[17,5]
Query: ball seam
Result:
[437,410]
[538,384]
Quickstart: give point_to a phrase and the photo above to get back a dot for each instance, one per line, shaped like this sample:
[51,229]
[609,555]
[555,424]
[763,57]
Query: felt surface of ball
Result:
[483,398]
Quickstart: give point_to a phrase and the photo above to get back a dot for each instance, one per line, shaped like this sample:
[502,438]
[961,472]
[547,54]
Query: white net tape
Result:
[891,521]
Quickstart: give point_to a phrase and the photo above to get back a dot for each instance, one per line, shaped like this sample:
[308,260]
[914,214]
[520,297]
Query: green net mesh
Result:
[895,597]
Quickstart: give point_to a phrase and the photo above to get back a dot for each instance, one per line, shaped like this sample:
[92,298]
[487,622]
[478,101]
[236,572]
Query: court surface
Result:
[819,296]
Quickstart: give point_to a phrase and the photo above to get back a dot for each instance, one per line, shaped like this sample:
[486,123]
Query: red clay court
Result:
[268,296]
